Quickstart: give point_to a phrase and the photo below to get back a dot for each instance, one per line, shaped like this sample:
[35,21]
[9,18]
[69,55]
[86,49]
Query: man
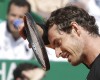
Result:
[12,46]
[28,71]
[75,37]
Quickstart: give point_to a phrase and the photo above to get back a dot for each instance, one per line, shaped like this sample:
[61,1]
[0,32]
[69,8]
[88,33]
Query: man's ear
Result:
[75,28]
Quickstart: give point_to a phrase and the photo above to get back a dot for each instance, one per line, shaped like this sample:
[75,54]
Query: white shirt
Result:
[11,49]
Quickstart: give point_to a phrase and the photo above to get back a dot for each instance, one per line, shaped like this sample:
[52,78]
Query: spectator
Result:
[28,71]
[12,46]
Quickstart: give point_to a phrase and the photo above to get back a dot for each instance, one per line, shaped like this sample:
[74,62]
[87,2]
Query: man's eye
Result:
[13,15]
[57,43]
[21,17]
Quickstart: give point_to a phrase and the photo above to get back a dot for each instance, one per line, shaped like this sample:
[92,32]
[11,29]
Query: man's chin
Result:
[15,35]
[74,63]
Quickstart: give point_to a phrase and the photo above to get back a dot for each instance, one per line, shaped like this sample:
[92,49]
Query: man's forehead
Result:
[53,28]
[19,7]
[53,34]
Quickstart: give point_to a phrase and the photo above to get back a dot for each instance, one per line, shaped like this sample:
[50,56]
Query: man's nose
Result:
[58,52]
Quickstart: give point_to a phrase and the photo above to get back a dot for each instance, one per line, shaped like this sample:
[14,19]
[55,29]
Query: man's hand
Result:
[34,74]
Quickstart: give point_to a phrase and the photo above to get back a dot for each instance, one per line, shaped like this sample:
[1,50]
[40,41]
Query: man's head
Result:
[24,71]
[71,26]
[16,10]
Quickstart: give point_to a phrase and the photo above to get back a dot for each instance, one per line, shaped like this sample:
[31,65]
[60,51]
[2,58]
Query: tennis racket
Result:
[35,40]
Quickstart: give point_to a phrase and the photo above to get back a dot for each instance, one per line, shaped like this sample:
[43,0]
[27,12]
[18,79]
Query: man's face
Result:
[15,12]
[66,45]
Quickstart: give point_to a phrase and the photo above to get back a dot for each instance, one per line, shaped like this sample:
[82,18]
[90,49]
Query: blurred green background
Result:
[58,70]
[3,8]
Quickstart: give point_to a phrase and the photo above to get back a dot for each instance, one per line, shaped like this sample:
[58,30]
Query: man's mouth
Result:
[65,55]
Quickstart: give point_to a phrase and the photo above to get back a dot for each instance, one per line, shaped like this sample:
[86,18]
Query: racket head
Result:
[35,40]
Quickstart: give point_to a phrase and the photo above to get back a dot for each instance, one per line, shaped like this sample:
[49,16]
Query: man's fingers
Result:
[28,74]
[25,75]
[25,21]
[29,46]
[22,32]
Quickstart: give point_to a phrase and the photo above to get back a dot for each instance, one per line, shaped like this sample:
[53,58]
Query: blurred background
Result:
[13,51]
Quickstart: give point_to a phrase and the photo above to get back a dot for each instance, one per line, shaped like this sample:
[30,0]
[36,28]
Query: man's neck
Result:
[92,50]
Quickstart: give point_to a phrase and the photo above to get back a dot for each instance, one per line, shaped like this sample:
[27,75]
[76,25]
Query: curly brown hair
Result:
[64,16]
